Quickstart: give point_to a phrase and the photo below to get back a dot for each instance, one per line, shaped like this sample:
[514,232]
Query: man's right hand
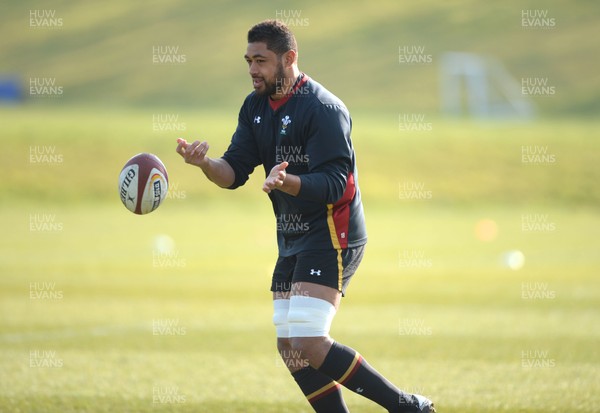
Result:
[193,153]
[216,170]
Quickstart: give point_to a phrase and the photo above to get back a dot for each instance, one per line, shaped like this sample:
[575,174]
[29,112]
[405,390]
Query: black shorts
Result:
[332,268]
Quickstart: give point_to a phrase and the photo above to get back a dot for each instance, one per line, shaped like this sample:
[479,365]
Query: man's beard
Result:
[276,86]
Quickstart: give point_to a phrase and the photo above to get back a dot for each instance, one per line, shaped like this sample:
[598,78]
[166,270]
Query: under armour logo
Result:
[257,119]
[315,272]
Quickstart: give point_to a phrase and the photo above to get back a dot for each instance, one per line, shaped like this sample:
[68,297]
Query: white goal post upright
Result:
[489,90]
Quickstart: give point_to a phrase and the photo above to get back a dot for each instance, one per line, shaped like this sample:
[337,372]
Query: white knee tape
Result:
[280,317]
[309,317]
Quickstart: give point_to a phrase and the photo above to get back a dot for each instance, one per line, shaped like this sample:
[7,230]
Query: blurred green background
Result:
[102,53]
[443,304]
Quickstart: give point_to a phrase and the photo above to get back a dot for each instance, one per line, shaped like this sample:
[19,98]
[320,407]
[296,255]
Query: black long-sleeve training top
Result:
[310,129]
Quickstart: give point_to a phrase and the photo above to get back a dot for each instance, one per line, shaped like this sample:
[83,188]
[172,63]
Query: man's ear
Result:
[289,58]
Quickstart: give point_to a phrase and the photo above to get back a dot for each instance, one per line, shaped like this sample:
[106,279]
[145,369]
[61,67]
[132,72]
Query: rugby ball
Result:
[143,183]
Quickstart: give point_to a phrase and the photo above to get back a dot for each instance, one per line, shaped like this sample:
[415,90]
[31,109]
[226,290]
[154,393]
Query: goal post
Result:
[481,87]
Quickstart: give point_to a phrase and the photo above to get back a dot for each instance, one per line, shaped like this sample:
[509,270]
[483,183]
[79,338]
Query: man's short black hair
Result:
[275,34]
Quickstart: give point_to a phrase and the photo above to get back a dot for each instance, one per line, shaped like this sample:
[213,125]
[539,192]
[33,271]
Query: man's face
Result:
[265,68]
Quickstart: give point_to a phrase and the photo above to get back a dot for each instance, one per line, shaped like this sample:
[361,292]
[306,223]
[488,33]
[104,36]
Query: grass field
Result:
[105,311]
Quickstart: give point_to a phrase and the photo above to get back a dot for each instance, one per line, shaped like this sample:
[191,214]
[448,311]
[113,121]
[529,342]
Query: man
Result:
[300,133]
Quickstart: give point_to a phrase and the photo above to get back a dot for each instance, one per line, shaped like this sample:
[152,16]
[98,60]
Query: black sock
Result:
[348,368]
[324,394]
